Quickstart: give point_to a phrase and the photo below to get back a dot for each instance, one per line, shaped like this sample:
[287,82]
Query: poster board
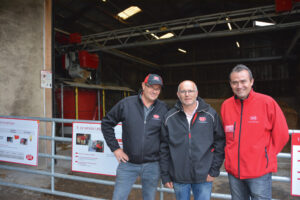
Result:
[90,153]
[295,165]
[19,141]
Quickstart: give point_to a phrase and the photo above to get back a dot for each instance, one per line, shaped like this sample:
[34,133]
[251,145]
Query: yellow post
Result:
[76,102]
[124,93]
[103,102]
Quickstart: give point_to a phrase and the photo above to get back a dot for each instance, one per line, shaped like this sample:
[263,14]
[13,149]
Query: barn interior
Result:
[195,40]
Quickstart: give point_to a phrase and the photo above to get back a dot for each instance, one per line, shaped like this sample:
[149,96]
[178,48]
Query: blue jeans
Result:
[201,191]
[127,174]
[257,188]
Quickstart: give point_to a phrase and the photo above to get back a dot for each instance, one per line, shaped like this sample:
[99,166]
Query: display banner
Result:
[295,166]
[19,141]
[90,153]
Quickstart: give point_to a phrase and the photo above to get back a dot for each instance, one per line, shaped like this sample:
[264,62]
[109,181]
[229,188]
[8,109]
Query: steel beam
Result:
[213,25]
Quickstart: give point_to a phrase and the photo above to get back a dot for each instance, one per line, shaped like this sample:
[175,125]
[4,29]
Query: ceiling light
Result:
[237,44]
[181,50]
[260,23]
[228,24]
[153,35]
[132,10]
[167,35]
[104,0]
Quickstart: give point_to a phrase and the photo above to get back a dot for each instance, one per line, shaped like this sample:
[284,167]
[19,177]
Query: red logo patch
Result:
[202,119]
[29,157]
[156,78]
[156,116]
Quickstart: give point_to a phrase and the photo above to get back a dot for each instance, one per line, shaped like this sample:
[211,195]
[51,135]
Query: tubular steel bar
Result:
[212,25]
[54,175]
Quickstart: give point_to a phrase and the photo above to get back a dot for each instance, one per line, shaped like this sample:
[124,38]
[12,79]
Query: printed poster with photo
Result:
[19,141]
[295,165]
[90,153]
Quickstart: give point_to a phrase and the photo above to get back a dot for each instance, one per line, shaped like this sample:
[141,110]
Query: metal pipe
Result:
[52,159]
[47,191]
[103,102]
[99,104]
[76,102]
[62,108]
[211,62]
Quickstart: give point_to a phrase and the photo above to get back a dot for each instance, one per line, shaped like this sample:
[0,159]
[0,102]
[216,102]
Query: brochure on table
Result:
[19,141]
[90,153]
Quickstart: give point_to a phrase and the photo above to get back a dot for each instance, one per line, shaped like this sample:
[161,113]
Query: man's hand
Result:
[121,156]
[210,178]
[169,185]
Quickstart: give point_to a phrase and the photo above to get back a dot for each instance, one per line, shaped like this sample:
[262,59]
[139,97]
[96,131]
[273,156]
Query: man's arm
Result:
[280,131]
[164,154]
[219,144]
[113,117]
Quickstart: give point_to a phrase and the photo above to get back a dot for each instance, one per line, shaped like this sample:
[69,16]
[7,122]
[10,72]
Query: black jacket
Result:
[189,154]
[141,138]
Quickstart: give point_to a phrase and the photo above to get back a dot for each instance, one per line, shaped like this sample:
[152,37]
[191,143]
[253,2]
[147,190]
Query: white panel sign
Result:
[19,141]
[295,178]
[90,153]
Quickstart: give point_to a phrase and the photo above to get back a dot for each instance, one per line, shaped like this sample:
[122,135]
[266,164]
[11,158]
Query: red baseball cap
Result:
[153,79]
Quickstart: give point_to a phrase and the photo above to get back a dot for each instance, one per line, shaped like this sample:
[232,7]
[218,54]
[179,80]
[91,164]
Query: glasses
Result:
[151,87]
[187,91]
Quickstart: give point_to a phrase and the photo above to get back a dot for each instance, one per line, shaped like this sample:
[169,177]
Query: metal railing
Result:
[54,174]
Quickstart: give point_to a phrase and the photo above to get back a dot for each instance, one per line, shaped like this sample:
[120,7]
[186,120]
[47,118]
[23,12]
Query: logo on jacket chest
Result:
[156,117]
[253,119]
[202,120]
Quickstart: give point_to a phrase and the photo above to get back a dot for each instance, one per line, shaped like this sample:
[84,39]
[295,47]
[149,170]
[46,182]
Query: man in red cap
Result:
[141,116]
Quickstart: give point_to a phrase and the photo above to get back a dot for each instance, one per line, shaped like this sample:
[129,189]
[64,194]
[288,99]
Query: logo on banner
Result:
[29,157]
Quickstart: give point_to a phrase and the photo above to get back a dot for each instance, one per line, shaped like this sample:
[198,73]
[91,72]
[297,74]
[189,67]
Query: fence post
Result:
[52,154]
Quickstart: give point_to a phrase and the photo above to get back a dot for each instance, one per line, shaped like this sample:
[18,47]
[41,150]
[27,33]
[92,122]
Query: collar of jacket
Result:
[139,96]
[248,99]
[201,106]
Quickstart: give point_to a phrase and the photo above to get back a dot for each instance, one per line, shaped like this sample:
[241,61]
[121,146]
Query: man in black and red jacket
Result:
[192,145]
[141,116]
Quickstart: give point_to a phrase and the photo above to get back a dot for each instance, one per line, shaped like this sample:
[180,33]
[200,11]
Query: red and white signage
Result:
[19,141]
[90,153]
[295,168]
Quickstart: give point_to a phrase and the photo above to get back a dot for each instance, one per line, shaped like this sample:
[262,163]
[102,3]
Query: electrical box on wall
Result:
[46,79]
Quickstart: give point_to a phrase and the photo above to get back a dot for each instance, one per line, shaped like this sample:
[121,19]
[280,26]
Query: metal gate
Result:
[53,174]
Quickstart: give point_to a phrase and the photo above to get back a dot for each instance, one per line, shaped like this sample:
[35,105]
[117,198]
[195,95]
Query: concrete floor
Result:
[280,190]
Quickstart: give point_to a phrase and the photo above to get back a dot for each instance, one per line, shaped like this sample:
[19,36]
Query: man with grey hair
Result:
[192,145]
[256,131]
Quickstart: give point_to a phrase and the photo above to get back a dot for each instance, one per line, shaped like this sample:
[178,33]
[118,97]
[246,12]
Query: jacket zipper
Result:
[143,138]
[267,157]
[190,134]
[242,105]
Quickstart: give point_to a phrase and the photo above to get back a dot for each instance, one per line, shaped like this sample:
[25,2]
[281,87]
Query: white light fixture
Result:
[153,35]
[181,50]
[132,10]
[228,24]
[167,35]
[104,0]
[260,23]
[237,44]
